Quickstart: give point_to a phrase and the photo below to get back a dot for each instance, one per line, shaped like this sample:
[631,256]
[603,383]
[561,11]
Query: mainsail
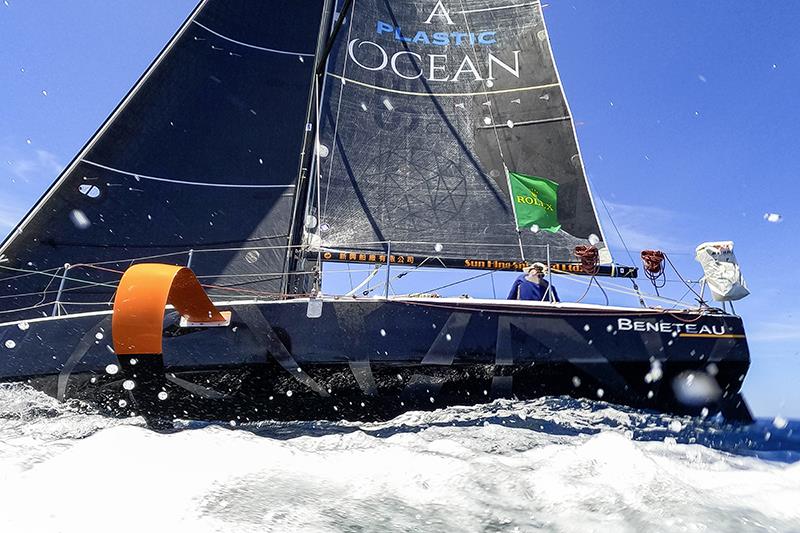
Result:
[197,164]
[427,107]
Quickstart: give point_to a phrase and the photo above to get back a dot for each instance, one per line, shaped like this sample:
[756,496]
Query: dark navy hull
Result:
[373,358]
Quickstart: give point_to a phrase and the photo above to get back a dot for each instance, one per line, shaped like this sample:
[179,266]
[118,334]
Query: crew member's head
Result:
[535,270]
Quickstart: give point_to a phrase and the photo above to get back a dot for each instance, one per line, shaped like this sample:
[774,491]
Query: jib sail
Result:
[198,162]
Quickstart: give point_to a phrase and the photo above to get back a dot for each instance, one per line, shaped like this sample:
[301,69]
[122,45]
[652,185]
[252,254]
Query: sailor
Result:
[531,285]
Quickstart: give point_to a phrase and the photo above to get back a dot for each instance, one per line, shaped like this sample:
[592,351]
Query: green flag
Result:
[535,201]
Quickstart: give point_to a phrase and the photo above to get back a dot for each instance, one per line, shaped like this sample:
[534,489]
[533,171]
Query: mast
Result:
[296,259]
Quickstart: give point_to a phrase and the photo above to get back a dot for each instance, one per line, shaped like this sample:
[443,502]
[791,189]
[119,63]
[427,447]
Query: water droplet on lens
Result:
[79,219]
[252,256]
[696,388]
[780,422]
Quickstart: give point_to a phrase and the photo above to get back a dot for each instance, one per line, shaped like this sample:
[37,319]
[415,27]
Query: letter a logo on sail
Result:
[441,12]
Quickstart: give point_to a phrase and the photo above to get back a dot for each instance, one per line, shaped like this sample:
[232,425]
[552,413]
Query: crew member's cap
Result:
[541,267]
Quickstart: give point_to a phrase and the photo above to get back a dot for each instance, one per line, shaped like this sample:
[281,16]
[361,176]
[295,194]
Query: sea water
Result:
[554,464]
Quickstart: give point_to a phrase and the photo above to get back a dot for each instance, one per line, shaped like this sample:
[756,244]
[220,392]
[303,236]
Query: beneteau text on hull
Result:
[269,139]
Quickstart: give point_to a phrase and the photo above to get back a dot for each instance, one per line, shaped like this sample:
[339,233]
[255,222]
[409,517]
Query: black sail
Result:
[426,104]
[203,154]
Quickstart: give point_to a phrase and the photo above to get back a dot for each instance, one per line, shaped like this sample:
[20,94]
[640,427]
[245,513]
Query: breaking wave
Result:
[554,464]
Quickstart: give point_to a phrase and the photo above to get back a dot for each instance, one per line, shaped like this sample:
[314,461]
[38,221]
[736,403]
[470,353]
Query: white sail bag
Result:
[722,273]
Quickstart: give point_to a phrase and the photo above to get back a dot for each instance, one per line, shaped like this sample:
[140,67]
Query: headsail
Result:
[428,105]
[201,155]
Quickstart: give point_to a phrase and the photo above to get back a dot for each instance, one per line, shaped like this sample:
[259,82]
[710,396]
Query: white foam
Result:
[550,464]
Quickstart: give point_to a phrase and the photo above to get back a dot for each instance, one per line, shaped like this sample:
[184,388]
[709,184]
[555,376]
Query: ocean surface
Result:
[553,464]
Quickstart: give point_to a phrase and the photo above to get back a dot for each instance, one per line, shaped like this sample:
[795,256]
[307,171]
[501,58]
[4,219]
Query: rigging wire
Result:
[456,282]
[614,224]
[620,289]
[699,297]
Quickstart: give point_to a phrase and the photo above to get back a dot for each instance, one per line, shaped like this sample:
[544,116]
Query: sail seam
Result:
[185,182]
[253,46]
[412,93]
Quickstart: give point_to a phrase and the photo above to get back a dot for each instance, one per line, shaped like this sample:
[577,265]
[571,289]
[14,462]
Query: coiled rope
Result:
[589,258]
[590,265]
[653,262]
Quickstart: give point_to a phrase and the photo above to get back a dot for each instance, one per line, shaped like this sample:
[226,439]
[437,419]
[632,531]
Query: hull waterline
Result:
[376,358]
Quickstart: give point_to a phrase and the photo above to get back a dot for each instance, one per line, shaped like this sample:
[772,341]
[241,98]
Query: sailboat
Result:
[174,268]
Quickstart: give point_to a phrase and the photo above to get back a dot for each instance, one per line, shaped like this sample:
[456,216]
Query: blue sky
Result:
[686,112]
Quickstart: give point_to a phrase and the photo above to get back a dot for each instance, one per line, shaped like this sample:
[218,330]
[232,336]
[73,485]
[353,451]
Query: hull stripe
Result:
[712,336]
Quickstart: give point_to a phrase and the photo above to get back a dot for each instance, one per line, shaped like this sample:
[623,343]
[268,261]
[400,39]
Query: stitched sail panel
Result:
[426,105]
